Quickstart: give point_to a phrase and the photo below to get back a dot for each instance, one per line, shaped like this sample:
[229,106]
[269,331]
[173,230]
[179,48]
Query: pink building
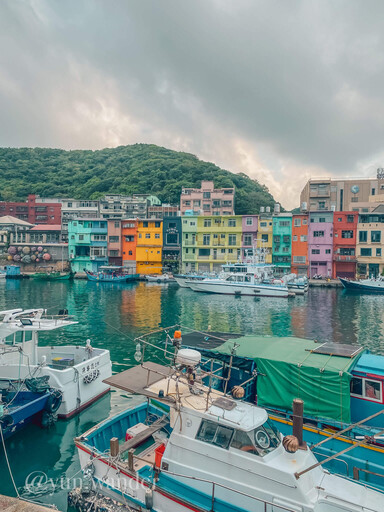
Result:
[320,243]
[249,236]
[207,200]
[114,242]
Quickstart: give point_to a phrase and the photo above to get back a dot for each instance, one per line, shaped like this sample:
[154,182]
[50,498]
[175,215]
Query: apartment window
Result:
[130,253]
[318,234]
[140,235]
[321,205]
[350,218]
[378,252]
[207,223]
[375,236]
[157,235]
[206,239]
[81,237]
[206,195]
[339,219]
[365,252]
[232,223]
[247,239]
[373,192]
[366,389]
[294,238]
[206,207]
[315,251]
[303,238]
[187,203]
[249,221]
[284,223]
[129,225]
[347,233]
[147,235]
[363,236]
[299,259]
[230,251]
[305,222]
[117,224]
[264,238]
[297,223]
[114,239]
[232,239]
[276,239]
[327,251]
[157,224]
[321,219]
[196,202]
[263,224]
[145,224]
[129,238]
[286,239]
[114,253]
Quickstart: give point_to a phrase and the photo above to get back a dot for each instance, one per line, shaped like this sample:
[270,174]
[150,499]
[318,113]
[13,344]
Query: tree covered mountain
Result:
[139,168]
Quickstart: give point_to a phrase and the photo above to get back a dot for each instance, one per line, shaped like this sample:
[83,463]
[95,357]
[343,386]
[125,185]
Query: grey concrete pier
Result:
[8,504]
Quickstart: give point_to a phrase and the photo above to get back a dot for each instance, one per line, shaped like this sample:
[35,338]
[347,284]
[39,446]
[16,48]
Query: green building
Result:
[87,244]
[282,242]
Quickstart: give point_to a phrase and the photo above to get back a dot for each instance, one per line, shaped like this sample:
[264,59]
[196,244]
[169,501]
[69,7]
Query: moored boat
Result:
[111,274]
[157,278]
[365,285]
[76,371]
[240,284]
[196,448]
[53,276]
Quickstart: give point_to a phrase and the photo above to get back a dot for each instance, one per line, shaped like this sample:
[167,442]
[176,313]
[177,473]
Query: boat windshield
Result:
[260,441]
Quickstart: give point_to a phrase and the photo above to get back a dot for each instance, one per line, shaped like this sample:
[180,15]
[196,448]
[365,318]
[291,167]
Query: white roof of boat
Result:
[243,415]
[15,320]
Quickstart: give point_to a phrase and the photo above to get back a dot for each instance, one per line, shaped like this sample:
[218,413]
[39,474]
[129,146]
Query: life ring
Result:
[54,401]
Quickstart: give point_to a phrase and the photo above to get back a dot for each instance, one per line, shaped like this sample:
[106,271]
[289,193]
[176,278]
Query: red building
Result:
[344,244]
[299,264]
[34,210]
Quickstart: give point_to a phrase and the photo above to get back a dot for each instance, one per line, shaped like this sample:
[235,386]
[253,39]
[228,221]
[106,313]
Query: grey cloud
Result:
[300,81]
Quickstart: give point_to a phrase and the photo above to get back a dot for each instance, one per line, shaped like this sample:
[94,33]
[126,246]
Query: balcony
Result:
[342,257]
[320,193]
[189,243]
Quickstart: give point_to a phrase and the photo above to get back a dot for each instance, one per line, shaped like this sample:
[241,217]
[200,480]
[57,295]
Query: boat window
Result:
[212,433]
[260,441]
[366,388]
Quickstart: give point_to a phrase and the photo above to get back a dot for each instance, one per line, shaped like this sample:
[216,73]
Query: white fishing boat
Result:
[240,284]
[298,285]
[370,285]
[182,279]
[190,447]
[77,371]
[157,278]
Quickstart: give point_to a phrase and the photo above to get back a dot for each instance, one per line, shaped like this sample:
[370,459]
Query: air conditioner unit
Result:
[72,256]
[93,257]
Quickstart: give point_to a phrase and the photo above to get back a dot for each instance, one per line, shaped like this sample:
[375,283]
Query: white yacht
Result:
[77,371]
[241,284]
[190,447]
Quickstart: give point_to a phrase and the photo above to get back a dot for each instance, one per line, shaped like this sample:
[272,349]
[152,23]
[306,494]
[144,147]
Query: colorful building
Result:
[249,236]
[299,261]
[282,242]
[344,244]
[35,210]
[129,242]
[172,243]
[264,236]
[211,241]
[370,243]
[207,200]
[87,244]
[114,242]
[149,246]
[320,243]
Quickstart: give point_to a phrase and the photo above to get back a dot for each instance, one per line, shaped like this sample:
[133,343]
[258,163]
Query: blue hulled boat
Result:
[111,274]
[19,408]
[365,285]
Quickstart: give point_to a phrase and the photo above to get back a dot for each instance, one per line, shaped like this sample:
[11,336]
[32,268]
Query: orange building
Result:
[129,242]
[149,246]
[299,263]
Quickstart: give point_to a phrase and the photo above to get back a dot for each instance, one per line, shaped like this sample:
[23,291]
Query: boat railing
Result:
[215,485]
[318,454]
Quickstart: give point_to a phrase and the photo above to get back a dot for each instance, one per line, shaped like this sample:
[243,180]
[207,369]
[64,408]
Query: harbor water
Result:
[44,462]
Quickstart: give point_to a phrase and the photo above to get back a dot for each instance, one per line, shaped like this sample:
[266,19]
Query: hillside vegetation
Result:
[139,168]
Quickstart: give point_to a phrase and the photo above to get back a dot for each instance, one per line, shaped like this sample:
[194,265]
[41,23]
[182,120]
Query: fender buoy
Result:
[54,401]
[6,422]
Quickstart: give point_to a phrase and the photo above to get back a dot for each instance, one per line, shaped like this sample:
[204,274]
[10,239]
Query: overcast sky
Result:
[280,90]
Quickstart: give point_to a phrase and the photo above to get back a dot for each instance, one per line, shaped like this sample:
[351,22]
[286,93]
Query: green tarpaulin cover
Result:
[291,370]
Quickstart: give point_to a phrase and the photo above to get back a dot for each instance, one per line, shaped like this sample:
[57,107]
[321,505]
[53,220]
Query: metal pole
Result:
[297,423]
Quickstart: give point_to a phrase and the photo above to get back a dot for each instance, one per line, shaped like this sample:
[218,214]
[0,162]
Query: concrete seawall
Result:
[8,504]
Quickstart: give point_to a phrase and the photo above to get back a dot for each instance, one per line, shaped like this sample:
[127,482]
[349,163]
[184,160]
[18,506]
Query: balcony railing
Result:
[342,257]
[320,193]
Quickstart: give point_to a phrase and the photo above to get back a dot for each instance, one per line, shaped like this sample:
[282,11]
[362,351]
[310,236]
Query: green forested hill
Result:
[139,168]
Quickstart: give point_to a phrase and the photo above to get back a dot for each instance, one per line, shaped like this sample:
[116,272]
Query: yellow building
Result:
[265,236]
[149,246]
[370,243]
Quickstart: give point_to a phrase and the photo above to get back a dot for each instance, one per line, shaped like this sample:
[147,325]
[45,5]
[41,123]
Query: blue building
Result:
[87,244]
